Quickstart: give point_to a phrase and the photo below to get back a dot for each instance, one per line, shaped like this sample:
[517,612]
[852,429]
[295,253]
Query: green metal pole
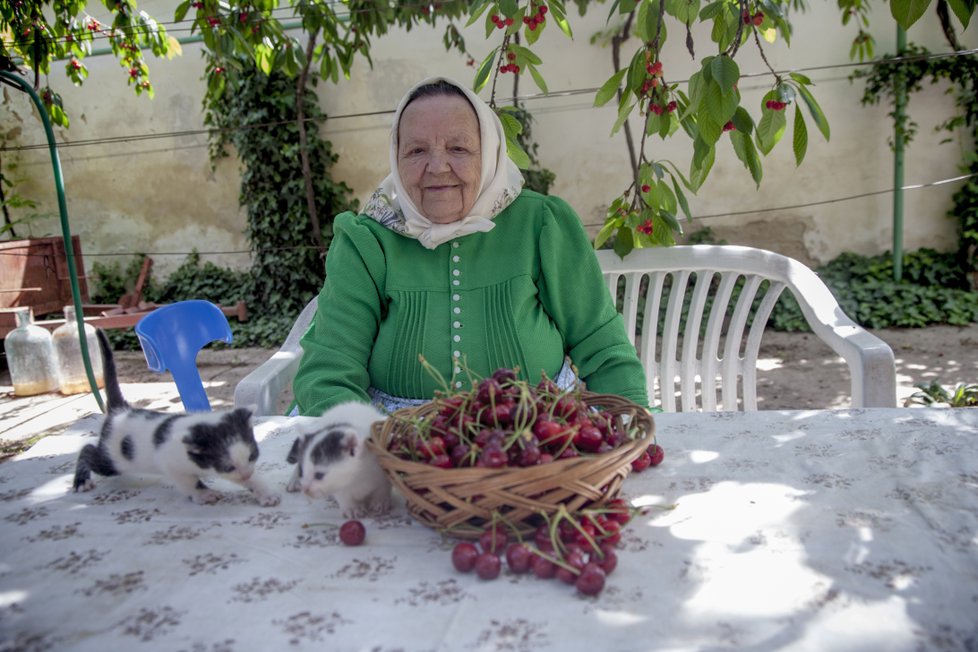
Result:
[65,229]
[900,93]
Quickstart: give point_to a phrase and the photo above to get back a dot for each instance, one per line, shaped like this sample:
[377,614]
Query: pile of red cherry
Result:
[507,422]
[577,548]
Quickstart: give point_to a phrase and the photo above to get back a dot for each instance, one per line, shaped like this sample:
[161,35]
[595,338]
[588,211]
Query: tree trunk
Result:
[300,106]
[616,42]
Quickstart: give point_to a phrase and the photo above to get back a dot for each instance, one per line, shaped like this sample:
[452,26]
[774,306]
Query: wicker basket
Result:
[461,501]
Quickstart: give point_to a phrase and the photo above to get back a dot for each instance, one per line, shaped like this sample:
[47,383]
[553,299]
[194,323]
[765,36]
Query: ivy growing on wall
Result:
[257,114]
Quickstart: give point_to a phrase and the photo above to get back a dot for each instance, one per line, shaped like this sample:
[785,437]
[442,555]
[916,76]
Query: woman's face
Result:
[439,156]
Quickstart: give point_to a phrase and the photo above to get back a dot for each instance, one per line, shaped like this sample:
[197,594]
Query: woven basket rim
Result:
[382,447]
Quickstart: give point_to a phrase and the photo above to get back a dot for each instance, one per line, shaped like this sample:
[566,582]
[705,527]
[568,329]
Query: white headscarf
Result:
[499,185]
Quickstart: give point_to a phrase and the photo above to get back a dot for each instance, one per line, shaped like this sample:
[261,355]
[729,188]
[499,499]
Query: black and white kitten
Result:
[332,460]
[183,448]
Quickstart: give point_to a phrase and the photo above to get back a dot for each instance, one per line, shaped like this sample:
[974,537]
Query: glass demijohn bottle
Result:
[71,367]
[30,356]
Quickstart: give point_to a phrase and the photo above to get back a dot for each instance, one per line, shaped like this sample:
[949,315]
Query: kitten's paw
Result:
[269,500]
[353,512]
[293,487]
[380,507]
[206,497]
[86,485]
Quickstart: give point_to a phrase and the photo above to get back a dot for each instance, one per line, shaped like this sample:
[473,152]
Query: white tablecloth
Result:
[821,530]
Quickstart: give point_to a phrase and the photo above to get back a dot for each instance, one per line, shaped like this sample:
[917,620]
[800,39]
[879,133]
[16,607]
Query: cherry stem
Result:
[760,50]
[566,514]
[434,373]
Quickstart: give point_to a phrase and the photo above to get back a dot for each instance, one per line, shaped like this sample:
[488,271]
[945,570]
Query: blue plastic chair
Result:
[173,335]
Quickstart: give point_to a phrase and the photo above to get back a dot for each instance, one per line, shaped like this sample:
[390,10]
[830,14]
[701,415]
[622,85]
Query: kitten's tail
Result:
[113,393]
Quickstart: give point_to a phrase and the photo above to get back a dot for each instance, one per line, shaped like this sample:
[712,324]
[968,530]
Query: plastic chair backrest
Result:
[173,335]
[714,303]
[260,390]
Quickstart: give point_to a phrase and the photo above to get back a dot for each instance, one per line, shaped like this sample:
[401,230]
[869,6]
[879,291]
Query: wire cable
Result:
[823,202]
[520,98]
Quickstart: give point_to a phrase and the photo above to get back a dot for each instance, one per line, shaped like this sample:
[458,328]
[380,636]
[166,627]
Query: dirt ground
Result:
[796,371]
[806,373]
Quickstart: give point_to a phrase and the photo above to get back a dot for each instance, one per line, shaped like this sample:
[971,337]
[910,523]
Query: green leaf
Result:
[799,140]
[697,89]
[666,199]
[708,130]
[517,154]
[907,12]
[963,9]
[181,11]
[652,123]
[725,28]
[489,26]
[684,11]
[642,30]
[609,88]
[770,129]
[800,78]
[681,198]
[559,15]
[670,123]
[263,58]
[677,173]
[58,116]
[725,72]
[532,35]
[624,110]
[508,7]
[654,196]
[786,93]
[527,54]
[670,219]
[744,148]
[604,233]
[720,106]
[512,127]
[625,242]
[711,10]
[477,10]
[816,111]
[742,121]
[537,78]
[482,76]
[636,72]
[703,156]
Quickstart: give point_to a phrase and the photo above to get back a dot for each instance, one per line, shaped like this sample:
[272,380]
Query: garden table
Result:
[781,530]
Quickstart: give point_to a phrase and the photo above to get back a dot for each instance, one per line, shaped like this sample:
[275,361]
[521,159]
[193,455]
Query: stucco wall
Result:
[162,196]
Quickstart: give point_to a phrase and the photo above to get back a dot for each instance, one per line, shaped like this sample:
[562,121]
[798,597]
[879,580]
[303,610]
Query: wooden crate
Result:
[34,273]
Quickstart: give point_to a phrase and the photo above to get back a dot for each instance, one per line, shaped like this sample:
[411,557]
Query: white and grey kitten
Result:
[184,448]
[332,459]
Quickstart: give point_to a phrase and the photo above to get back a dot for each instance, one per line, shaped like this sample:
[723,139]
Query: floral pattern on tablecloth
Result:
[820,530]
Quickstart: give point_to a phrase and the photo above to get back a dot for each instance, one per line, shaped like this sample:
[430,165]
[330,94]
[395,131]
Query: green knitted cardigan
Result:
[524,294]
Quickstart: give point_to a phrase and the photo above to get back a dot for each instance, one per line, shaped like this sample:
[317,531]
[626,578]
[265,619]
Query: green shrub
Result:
[934,290]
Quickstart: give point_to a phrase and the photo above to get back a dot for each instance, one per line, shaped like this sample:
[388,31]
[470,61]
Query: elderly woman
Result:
[453,261]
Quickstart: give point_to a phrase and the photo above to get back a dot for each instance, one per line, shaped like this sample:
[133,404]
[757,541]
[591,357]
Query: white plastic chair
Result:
[262,388]
[723,362]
